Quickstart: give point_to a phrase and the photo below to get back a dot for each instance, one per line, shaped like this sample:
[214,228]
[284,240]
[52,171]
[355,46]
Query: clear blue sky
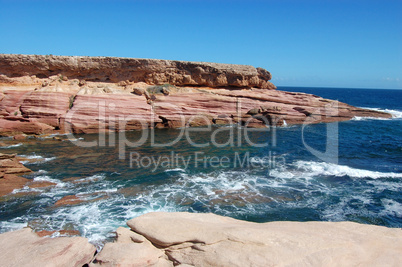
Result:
[330,43]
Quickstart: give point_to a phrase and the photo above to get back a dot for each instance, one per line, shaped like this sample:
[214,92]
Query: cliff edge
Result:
[150,71]
[49,94]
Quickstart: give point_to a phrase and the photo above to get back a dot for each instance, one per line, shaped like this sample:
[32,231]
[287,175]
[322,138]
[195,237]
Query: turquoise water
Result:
[233,174]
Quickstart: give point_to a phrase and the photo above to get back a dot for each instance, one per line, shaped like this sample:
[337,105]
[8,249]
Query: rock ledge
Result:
[151,71]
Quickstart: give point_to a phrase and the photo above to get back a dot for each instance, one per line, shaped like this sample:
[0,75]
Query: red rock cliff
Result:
[41,94]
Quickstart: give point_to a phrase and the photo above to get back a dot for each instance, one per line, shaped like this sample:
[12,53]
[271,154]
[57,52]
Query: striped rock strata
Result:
[43,94]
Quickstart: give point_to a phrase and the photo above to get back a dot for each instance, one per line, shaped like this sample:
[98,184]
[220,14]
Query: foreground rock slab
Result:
[210,240]
[25,248]
[131,249]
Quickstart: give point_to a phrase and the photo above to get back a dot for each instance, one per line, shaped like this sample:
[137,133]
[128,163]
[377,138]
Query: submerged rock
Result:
[68,200]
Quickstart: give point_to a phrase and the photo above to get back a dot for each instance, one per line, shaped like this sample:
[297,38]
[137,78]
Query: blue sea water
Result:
[264,175]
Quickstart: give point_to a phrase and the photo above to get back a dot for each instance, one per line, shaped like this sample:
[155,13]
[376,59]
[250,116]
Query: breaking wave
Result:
[312,169]
[396,114]
[35,159]
[12,146]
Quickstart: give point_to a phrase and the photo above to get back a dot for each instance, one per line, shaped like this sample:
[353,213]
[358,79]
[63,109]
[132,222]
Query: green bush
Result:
[71,101]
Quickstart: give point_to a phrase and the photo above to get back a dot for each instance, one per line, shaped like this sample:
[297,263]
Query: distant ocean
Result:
[282,180]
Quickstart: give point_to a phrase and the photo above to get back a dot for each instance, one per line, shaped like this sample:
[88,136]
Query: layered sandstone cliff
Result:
[42,94]
[151,71]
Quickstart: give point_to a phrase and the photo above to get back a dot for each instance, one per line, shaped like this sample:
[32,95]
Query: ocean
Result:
[346,171]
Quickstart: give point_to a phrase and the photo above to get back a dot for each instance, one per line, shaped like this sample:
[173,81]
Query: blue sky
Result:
[328,43]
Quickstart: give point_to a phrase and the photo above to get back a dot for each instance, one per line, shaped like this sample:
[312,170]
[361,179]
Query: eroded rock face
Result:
[25,248]
[95,109]
[151,71]
[190,239]
[45,94]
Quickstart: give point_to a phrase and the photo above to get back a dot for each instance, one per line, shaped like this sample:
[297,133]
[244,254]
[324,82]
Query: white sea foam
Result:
[7,226]
[37,159]
[396,114]
[357,118]
[45,178]
[11,146]
[224,192]
[25,189]
[41,172]
[76,139]
[93,178]
[309,169]
[392,207]
[175,170]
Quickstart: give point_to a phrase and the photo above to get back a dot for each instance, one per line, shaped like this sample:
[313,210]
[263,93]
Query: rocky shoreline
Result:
[197,239]
[55,94]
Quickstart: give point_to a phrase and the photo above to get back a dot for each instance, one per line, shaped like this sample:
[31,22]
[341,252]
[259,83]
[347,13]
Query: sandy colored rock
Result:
[60,232]
[9,182]
[20,137]
[11,165]
[125,235]
[40,184]
[25,248]
[68,200]
[150,71]
[212,240]
[78,199]
[130,254]
[130,249]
